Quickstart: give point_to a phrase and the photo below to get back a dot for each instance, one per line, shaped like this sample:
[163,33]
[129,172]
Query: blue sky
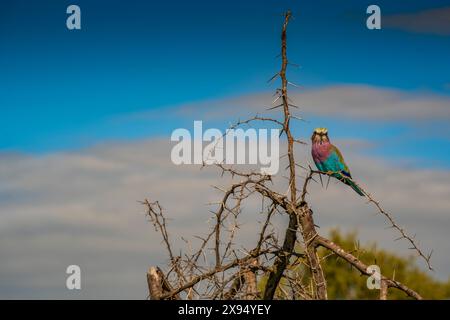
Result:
[62,90]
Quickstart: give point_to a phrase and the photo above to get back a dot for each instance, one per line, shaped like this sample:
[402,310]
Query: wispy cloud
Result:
[435,21]
[347,101]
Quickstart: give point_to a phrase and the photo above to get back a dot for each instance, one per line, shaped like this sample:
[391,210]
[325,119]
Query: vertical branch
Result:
[306,221]
[287,114]
[282,259]
[309,237]
[158,285]
[154,282]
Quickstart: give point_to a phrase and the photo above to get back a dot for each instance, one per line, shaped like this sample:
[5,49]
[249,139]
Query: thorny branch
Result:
[393,224]
[268,270]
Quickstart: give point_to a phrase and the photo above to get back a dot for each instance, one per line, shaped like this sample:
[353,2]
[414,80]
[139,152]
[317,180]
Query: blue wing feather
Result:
[335,163]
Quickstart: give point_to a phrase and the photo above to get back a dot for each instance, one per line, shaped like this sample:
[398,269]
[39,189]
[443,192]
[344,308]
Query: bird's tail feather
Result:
[355,187]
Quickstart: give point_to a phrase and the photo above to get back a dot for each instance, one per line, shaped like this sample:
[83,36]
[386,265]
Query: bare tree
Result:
[236,273]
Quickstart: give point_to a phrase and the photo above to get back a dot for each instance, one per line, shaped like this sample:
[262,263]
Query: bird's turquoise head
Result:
[320,135]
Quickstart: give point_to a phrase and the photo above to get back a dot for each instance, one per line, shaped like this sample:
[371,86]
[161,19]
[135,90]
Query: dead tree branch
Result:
[219,269]
[355,262]
[392,222]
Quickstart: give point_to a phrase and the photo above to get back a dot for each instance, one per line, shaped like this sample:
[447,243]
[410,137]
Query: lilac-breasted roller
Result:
[329,159]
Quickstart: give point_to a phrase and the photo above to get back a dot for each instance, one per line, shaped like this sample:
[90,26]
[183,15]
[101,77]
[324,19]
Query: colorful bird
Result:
[329,159]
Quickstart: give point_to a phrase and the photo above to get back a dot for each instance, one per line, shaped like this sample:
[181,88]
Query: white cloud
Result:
[347,101]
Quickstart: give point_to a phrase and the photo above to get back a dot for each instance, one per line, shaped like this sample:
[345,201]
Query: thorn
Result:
[294,65]
[300,142]
[293,84]
[328,182]
[271,108]
[276,99]
[273,77]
